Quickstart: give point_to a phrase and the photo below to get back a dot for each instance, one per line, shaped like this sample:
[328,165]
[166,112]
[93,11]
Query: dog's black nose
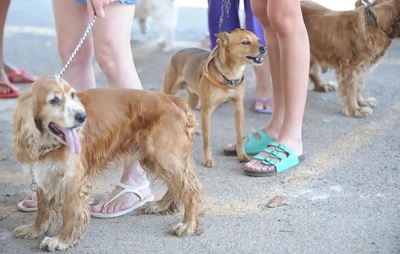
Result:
[80,117]
[263,50]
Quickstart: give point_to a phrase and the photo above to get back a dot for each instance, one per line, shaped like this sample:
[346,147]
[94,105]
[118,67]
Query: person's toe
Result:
[230,147]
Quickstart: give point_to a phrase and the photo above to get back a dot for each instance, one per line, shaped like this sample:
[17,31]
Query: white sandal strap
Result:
[126,189]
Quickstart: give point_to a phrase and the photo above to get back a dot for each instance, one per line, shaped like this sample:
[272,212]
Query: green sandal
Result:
[285,159]
[253,145]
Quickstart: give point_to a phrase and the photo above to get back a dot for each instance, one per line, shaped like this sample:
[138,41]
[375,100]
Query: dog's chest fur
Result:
[52,174]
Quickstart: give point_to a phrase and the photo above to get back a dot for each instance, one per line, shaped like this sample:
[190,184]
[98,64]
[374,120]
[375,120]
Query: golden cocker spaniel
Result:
[67,138]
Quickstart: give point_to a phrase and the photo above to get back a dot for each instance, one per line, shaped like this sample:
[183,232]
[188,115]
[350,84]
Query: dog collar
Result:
[231,82]
[368,13]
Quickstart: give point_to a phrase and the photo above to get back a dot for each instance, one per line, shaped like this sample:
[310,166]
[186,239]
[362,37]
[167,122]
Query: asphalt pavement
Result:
[343,199]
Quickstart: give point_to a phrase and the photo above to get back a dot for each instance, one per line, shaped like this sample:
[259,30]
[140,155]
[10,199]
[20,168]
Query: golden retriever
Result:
[67,138]
[350,42]
[216,77]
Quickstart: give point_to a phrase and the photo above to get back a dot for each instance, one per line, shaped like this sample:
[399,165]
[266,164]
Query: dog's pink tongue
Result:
[71,136]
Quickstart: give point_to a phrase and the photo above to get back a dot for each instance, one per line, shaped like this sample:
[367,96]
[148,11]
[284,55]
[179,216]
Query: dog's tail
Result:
[191,124]
[190,117]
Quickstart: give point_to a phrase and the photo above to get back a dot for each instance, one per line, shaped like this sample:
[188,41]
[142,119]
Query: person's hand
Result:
[96,7]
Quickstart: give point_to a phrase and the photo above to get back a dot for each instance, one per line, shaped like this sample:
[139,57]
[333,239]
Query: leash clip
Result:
[33,186]
[366,4]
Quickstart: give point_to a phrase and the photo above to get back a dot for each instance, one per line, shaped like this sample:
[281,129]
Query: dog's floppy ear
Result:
[358,3]
[388,18]
[222,38]
[396,29]
[26,140]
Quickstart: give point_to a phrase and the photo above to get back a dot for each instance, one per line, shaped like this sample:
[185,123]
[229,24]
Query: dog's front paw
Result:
[164,46]
[157,208]
[369,102]
[330,86]
[243,157]
[327,87]
[27,232]
[182,229]
[54,243]
[208,162]
[360,112]
[166,49]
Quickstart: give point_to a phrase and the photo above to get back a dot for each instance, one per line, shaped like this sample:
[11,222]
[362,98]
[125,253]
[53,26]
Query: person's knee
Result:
[260,13]
[282,24]
[107,60]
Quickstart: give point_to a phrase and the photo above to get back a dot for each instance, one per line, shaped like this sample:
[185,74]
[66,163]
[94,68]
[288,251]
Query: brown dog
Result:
[350,42]
[216,77]
[67,138]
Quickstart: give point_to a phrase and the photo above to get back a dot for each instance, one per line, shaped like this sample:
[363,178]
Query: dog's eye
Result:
[72,95]
[55,101]
[246,42]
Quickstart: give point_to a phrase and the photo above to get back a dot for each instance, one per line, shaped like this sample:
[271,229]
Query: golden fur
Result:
[234,51]
[122,126]
[341,40]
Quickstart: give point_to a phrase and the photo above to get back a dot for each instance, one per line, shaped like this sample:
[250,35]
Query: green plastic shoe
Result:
[253,145]
[282,158]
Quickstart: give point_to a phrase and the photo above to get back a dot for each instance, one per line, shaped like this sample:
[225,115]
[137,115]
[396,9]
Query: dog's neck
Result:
[391,28]
[45,150]
[369,15]
[48,145]
[227,83]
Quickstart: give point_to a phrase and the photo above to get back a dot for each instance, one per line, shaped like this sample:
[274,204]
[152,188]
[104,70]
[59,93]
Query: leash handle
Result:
[83,38]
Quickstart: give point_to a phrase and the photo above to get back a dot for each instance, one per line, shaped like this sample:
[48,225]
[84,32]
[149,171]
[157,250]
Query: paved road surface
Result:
[343,199]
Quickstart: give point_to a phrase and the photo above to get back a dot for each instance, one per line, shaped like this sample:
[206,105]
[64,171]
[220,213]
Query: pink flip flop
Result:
[20,76]
[264,110]
[11,94]
[31,198]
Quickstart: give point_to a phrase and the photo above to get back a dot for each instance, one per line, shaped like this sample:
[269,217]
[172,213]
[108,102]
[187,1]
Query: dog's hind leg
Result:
[193,100]
[166,205]
[171,82]
[143,25]
[167,37]
[189,190]
[183,187]
[350,81]
[45,220]
[368,102]
[317,81]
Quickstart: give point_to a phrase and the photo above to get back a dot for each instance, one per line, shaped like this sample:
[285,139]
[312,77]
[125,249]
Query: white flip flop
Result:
[125,189]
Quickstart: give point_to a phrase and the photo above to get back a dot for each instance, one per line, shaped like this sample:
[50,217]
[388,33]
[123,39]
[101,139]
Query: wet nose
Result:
[80,117]
[263,50]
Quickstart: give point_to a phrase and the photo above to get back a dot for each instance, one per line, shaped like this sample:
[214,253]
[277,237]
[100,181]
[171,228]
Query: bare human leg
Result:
[288,45]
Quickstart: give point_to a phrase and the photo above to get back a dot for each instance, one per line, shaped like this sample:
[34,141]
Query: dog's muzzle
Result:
[263,50]
[80,117]
[258,60]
